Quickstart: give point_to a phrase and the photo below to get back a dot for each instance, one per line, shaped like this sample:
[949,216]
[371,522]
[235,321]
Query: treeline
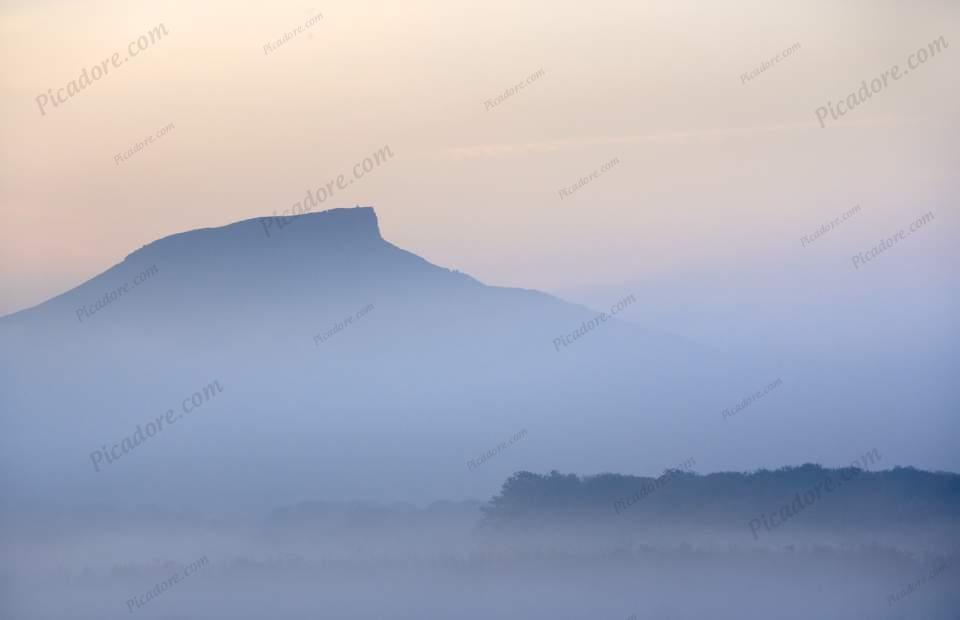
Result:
[830,497]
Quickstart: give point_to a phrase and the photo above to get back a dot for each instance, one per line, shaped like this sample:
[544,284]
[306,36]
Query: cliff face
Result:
[357,224]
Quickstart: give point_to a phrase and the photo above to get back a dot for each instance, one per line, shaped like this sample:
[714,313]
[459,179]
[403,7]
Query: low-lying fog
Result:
[361,561]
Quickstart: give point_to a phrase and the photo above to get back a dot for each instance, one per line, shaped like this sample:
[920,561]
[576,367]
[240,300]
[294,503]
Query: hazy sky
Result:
[715,176]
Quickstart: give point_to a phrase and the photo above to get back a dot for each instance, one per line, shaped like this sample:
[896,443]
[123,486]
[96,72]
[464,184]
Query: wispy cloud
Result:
[502,149]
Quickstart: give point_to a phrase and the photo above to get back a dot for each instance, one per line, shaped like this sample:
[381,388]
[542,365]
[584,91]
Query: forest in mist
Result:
[880,544]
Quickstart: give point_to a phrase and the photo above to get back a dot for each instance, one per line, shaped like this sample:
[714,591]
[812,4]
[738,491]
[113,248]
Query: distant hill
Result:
[339,356]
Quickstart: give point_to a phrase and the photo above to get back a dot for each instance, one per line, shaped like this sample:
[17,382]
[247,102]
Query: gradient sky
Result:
[718,179]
